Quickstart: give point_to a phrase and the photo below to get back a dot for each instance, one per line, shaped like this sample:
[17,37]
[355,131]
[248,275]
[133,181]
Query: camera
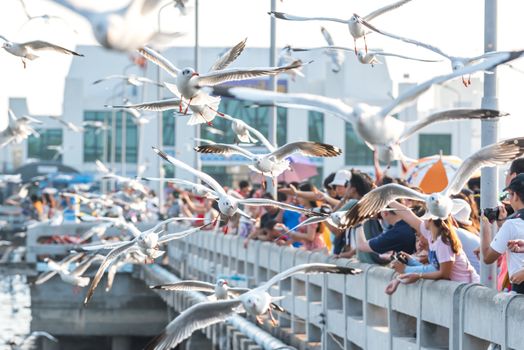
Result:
[492,214]
[401,257]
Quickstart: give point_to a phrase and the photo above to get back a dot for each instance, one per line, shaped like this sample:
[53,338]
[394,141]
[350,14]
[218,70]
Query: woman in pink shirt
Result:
[445,251]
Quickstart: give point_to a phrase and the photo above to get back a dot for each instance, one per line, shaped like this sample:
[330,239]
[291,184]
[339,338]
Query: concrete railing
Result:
[352,312]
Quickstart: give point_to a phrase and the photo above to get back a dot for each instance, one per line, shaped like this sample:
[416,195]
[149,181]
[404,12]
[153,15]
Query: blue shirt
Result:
[399,238]
[290,218]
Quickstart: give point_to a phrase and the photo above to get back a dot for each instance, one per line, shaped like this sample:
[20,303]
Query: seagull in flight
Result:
[374,124]
[356,29]
[190,83]
[30,49]
[439,205]
[243,132]
[369,57]
[73,277]
[456,62]
[134,80]
[19,130]
[196,189]
[337,57]
[256,302]
[125,29]
[274,163]
[229,205]
[45,17]
[67,124]
[146,243]
[30,341]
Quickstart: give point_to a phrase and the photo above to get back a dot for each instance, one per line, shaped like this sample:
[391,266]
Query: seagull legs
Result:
[365,44]
[259,319]
[191,99]
[274,322]
[355,45]
[23,62]
[464,82]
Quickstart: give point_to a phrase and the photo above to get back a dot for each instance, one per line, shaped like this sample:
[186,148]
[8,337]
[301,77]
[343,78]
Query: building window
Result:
[94,138]
[357,152]
[168,129]
[257,118]
[315,126]
[38,147]
[431,144]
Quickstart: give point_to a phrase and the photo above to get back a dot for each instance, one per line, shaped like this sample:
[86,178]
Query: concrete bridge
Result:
[327,312]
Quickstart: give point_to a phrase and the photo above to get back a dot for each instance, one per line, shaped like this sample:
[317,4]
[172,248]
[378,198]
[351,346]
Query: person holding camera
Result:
[511,229]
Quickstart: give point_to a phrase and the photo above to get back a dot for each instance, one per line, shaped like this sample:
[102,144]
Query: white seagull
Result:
[369,57]
[125,29]
[45,17]
[190,83]
[196,189]
[134,80]
[29,49]
[243,132]
[73,277]
[227,204]
[19,129]
[439,205]
[337,57]
[108,174]
[98,125]
[356,29]
[256,302]
[456,62]
[30,341]
[376,125]
[147,244]
[274,163]
[67,124]
[200,113]
[286,58]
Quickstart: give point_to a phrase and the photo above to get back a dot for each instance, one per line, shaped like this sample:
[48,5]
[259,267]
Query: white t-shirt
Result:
[511,229]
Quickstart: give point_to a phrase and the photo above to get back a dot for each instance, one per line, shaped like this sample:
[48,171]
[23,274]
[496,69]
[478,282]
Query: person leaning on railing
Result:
[510,229]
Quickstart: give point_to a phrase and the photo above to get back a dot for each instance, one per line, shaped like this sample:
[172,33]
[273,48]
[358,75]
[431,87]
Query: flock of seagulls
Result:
[199,94]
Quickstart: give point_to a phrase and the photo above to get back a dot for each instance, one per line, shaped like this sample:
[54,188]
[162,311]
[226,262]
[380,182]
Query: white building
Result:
[354,83]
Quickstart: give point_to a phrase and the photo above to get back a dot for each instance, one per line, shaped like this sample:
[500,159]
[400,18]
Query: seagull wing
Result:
[101,167]
[198,316]
[381,53]
[222,76]
[385,9]
[236,291]
[44,277]
[282,15]
[413,93]
[496,154]
[156,106]
[178,235]
[308,268]
[34,335]
[84,265]
[406,40]
[113,254]
[327,36]
[308,221]
[109,77]
[376,200]
[44,45]
[187,286]
[202,176]
[225,149]
[453,114]
[159,60]
[307,148]
[304,101]
[263,202]
[229,56]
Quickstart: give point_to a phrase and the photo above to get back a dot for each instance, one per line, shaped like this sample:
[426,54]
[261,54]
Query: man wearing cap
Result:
[340,182]
[511,230]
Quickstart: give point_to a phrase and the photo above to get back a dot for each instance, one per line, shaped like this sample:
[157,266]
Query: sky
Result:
[454,26]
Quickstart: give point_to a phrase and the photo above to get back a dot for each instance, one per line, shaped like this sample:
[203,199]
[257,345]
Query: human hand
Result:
[517,277]
[503,213]
[516,245]
[476,251]
[398,266]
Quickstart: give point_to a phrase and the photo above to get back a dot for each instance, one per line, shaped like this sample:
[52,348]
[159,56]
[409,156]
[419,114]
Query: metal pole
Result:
[272,127]
[104,149]
[160,128]
[489,179]
[197,161]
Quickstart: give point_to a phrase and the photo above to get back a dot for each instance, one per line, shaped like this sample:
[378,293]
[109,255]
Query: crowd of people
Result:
[400,238]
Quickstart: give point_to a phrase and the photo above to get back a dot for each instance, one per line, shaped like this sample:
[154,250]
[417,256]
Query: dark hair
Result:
[474,183]
[447,234]
[243,184]
[362,182]
[270,224]
[281,197]
[328,180]
[386,179]
[517,166]
[267,195]
[308,187]
[174,194]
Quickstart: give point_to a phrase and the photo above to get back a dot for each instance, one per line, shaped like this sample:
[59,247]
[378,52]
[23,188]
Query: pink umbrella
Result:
[301,168]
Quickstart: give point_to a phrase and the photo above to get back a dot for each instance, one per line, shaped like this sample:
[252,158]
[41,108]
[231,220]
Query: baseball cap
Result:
[341,177]
[516,184]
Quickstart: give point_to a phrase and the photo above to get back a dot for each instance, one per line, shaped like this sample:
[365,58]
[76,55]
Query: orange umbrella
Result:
[432,174]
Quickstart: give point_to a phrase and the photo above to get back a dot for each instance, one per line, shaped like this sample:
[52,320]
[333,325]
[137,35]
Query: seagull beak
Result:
[195,74]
